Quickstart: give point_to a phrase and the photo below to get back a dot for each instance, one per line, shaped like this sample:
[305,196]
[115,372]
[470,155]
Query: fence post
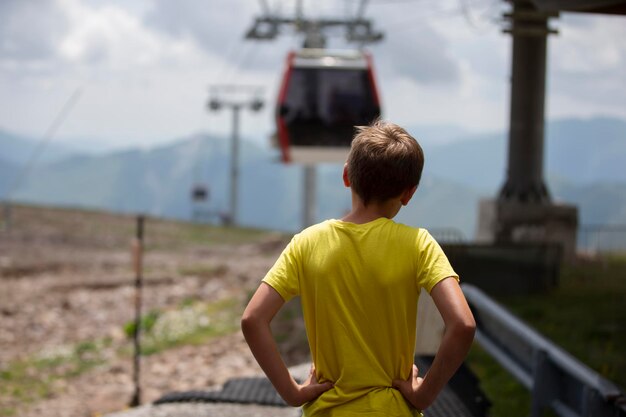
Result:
[541,384]
[138,267]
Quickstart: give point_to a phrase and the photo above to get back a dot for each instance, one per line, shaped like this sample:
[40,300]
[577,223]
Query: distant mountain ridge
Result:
[576,150]
[458,173]
[19,149]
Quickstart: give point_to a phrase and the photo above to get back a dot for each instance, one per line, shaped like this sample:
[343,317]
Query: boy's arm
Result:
[457,339]
[255,325]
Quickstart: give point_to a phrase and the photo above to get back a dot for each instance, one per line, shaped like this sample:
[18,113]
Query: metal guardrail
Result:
[447,235]
[602,237]
[554,377]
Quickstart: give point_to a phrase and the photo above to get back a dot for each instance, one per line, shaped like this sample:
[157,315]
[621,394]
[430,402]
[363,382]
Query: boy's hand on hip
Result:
[310,389]
[412,390]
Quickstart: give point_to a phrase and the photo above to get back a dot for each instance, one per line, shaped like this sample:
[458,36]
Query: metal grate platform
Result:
[256,390]
[259,390]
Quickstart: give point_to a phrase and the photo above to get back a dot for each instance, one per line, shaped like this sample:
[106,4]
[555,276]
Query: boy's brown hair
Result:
[384,161]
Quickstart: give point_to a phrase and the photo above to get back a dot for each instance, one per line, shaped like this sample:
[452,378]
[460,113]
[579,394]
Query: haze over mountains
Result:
[584,165]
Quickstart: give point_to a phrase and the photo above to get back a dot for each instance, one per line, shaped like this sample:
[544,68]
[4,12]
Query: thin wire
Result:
[361,10]
[439,14]
[46,138]
[246,50]
[228,58]
[265,7]
[466,11]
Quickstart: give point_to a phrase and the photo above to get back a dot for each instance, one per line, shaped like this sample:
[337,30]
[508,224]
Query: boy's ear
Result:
[406,196]
[346,180]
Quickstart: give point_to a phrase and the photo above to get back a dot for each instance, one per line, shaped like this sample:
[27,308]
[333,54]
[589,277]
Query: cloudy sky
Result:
[142,69]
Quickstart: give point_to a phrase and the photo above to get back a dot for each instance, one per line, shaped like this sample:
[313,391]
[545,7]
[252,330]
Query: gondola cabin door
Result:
[323,96]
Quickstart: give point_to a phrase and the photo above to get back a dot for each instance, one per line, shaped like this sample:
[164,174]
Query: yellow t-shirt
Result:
[359,286]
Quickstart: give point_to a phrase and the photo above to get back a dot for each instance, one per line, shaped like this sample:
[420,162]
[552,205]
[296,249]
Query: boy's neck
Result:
[362,213]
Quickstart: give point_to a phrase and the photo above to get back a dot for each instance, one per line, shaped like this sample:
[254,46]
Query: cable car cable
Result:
[265,7]
[469,18]
[43,142]
[236,69]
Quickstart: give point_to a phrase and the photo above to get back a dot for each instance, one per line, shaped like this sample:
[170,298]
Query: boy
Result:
[359,279]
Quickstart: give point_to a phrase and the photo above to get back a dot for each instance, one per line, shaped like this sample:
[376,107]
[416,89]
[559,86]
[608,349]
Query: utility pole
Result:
[309,212]
[235,97]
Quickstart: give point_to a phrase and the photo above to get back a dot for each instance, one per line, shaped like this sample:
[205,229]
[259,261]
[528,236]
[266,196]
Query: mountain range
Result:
[584,166]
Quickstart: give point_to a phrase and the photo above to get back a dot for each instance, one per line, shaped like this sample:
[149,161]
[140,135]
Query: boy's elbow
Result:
[465,328]
[468,328]
[248,323]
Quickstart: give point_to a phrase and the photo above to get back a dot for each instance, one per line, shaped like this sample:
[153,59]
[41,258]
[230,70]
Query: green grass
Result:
[29,380]
[192,323]
[585,315]
[146,322]
[509,398]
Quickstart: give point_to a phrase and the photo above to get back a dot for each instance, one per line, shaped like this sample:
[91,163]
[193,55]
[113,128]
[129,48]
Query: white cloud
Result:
[146,65]
[109,37]
[469,86]
[409,103]
[29,29]
[589,48]
[422,57]
[138,83]
[587,67]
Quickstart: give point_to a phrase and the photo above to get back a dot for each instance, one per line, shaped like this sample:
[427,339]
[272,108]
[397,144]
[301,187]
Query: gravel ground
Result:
[63,285]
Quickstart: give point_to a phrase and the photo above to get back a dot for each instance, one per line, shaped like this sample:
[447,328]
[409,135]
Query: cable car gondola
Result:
[199,193]
[323,95]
